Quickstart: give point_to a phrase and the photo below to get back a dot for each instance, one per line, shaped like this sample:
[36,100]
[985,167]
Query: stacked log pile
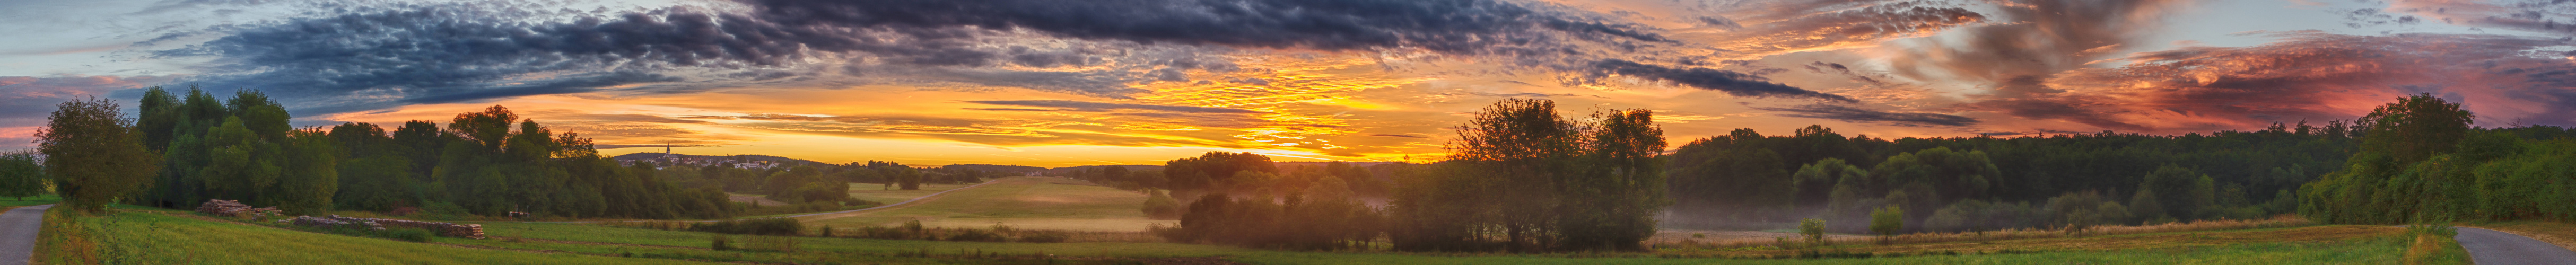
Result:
[223,208]
[474,231]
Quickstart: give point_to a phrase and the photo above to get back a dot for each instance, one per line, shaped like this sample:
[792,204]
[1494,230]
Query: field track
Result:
[2491,247]
[18,230]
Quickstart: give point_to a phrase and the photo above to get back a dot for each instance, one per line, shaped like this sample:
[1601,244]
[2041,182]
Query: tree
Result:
[1886,222]
[1814,231]
[310,174]
[94,154]
[2415,128]
[21,175]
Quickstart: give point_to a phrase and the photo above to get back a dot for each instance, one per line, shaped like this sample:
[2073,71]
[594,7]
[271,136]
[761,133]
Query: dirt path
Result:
[18,230]
[2491,247]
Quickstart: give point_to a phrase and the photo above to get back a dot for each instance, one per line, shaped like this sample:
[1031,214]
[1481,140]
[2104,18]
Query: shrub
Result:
[1813,229]
[722,243]
[1161,206]
[1887,221]
[770,226]
[976,235]
[1044,236]
[881,232]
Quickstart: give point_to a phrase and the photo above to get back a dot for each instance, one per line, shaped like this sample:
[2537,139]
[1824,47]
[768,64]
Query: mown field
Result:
[152,236]
[1022,202]
[155,236]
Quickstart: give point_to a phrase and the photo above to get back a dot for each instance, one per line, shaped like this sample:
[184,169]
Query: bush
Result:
[1044,236]
[1161,206]
[722,243]
[1887,221]
[977,236]
[1813,229]
[410,234]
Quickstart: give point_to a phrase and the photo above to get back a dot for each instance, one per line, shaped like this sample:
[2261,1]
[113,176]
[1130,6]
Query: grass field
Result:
[2308,245]
[878,193]
[1023,202]
[145,237]
[155,236]
[6,202]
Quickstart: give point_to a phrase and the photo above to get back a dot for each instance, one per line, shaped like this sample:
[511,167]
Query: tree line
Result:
[1747,180]
[2425,162]
[183,149]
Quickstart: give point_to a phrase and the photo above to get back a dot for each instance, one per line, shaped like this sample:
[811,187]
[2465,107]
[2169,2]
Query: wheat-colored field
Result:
[1023,202]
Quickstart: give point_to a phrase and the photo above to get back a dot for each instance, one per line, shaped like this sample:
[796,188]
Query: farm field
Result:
[159,236]
[138,235]
[1020,202]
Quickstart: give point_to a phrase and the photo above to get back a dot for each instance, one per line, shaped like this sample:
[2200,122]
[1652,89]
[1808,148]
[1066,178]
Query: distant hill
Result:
[1062,170]
[771,159]
[1288,165]
[996,168]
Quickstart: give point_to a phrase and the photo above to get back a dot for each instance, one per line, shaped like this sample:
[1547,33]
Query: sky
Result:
[1088,82]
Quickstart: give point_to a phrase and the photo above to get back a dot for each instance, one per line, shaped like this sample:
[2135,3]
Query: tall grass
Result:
[2433,244]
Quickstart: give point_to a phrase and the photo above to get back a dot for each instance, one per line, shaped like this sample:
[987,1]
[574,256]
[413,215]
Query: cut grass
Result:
[151,238]
[1024,202]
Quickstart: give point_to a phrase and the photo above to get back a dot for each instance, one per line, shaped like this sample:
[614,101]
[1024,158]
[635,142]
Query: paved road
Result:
[18,233]
[2490,247]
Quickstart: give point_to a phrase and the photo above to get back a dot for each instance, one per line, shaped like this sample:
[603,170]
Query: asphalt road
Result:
[2490,247]
[18,233]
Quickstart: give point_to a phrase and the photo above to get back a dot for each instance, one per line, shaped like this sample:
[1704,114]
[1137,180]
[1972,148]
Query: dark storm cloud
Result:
[1104,106]
[1850,114]
[1731,82]
[466,52]
[1457,26]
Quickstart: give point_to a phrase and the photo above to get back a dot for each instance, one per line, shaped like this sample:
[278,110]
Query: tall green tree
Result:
[21,175]
[94,154]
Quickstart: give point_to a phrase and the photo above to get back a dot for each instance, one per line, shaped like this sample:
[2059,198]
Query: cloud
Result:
[1731,82]
[1401,135]
[1851,114]
[437,53]
[1840,29]
[1104,106]
[31,98]
[2308,75]
[1455,26]
[2032,38]
[2555,17]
